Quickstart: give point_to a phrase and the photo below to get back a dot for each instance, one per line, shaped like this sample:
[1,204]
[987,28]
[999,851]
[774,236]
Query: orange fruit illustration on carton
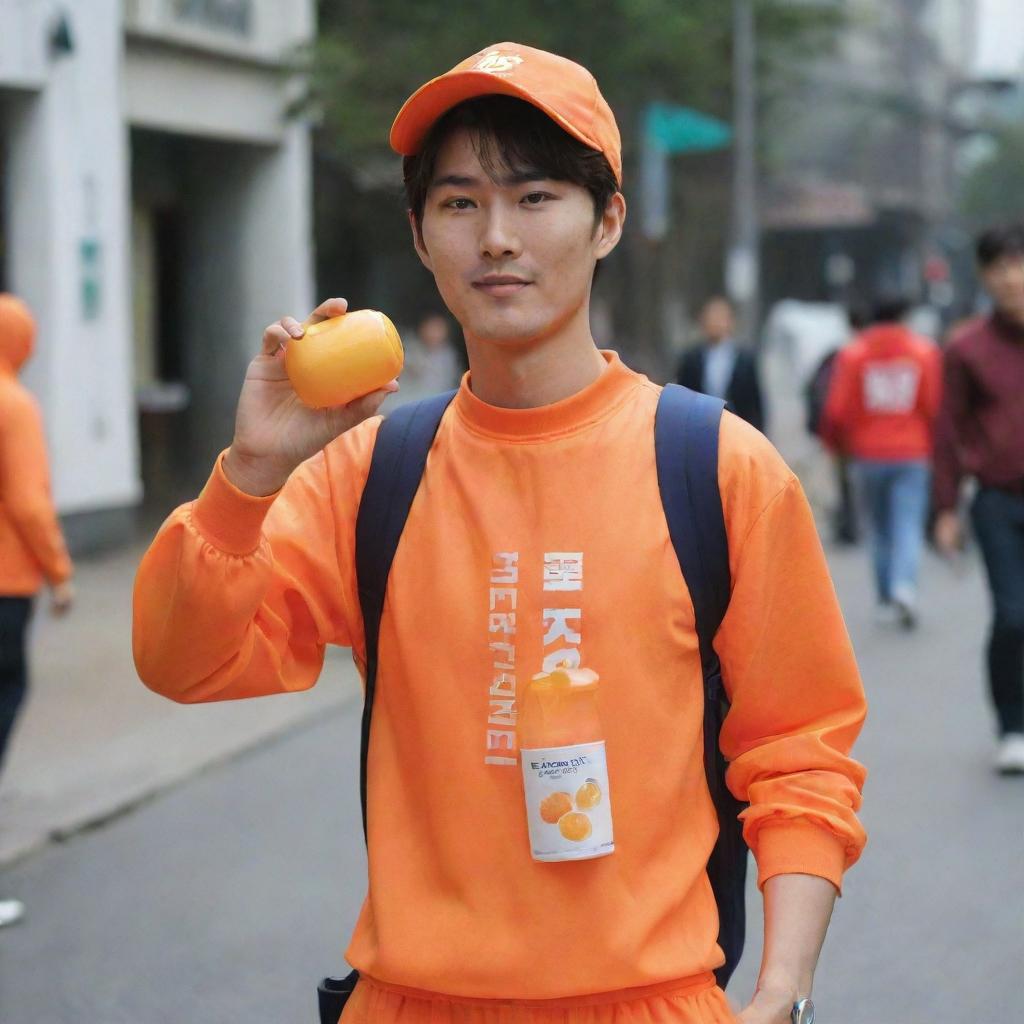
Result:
[553,806]
[575,826]
[588,795]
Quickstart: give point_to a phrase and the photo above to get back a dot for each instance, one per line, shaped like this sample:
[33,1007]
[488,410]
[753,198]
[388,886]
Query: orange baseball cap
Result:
[567,92]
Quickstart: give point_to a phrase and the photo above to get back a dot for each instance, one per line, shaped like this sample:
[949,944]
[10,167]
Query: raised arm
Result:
[243,588]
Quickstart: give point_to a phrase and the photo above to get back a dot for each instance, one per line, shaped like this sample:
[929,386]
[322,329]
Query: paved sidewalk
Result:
[93,741]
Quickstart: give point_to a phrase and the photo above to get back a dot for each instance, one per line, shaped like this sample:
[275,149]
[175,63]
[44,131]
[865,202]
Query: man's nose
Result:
[500,237]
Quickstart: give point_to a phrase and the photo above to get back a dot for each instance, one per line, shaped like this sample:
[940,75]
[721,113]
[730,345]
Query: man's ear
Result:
[417,241]
[609,230]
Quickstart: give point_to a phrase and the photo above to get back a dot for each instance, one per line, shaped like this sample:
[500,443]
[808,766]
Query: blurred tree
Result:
[371,54]
[992,191]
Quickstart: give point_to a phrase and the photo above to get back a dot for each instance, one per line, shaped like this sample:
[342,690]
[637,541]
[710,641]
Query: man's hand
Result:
[949,532]
[769,1006]
[274,430]
[62,596]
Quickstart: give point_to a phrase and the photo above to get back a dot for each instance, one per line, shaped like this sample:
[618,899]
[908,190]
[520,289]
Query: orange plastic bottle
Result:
[565,770]
[341,359]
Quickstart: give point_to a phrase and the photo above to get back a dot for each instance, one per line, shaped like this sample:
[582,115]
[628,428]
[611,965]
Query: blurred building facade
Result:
[863,183]
[156,214]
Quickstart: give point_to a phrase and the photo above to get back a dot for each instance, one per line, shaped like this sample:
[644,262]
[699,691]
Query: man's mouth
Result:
[501,285]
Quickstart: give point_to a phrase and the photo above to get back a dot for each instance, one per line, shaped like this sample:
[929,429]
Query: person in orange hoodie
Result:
[31,546]
[537,537]
[881,409]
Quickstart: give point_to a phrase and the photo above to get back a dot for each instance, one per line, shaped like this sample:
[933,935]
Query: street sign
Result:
[682,130]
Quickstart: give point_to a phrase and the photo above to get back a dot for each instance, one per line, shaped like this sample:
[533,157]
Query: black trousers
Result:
[999,526]
[14,615]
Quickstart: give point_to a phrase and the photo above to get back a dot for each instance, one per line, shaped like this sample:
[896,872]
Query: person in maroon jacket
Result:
[981,435]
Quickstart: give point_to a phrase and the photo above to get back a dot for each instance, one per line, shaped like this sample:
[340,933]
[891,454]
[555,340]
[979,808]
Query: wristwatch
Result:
[802,1012]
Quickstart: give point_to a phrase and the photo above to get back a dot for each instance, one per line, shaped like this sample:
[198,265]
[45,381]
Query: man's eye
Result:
[535,198]
[459,203]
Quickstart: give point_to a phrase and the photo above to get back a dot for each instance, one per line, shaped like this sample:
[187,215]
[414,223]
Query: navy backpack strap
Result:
[399,458]
[686,451]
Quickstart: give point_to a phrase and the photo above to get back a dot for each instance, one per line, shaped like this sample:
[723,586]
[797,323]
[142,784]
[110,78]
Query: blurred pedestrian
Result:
[31,546]
[720,366]
[981,436]
[433,360]
[538,537]
[845,522]
[881,408]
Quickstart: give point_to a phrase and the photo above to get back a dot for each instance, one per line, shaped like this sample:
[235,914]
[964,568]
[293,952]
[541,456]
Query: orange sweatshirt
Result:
[31,546]
[537,535]
[884,396]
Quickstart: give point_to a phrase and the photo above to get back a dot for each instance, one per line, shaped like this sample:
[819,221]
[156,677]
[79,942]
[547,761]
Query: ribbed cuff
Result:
[798,847]
[228,518]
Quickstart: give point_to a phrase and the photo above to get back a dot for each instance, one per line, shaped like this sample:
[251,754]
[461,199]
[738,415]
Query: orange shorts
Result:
[687,1001]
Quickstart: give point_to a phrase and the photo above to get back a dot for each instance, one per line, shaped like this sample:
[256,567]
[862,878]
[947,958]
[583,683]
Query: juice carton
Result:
[565,772]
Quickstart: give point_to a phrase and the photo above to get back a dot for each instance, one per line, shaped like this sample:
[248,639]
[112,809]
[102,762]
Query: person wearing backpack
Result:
[882,403]
[465,544]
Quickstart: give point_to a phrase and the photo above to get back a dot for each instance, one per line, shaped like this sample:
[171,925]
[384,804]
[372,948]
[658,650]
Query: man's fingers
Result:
[367,406]
[332,307]
[292,326]
[275,337]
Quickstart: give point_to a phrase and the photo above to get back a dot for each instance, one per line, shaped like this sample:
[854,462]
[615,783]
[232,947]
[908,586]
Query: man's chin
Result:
[508,334]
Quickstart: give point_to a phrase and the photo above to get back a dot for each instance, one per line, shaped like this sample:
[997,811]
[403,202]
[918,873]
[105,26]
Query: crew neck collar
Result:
[571,414]
[1009,329]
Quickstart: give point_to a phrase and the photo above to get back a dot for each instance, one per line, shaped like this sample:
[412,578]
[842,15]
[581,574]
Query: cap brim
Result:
[439,95]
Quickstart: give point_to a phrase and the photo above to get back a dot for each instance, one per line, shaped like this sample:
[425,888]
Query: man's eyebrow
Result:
[456,180]
[522,177]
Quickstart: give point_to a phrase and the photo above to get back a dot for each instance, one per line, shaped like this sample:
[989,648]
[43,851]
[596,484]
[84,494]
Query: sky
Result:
[1000,37]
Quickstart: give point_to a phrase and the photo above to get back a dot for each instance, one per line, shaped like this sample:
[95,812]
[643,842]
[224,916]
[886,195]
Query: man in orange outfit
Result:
[537,533]
[31,546]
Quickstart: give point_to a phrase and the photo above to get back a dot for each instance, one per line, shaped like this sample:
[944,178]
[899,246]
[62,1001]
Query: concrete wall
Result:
[24,56]
[250,29]
[182,70]
[67,240]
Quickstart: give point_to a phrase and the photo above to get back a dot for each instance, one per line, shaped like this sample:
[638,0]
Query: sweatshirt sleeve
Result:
[797,703]
[954,410]
[25,487]
[238,596]
[931,386]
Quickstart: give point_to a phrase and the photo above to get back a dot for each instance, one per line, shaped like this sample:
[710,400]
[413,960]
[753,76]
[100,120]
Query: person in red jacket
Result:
[881,408]
[31,546]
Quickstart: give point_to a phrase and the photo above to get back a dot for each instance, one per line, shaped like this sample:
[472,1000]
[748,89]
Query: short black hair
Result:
[1001,240]
[510,134]
[890,306]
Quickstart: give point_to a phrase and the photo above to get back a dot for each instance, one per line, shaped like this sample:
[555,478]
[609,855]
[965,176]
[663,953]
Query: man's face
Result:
[1004,281]
[513,259]
[717,321]
[433,332]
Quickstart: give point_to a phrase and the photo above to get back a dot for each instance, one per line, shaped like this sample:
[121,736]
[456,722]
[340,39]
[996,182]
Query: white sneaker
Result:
[1010,756]
[905,603]
[14,910]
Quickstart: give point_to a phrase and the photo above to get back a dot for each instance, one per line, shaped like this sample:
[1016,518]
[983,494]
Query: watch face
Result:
[803,1012]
